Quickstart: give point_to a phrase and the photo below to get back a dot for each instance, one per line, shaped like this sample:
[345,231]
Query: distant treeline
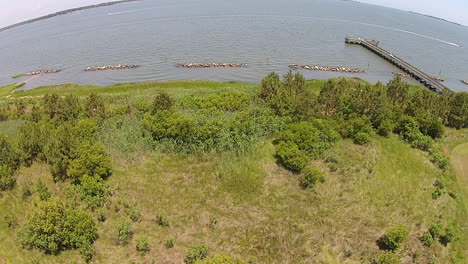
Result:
[64,12]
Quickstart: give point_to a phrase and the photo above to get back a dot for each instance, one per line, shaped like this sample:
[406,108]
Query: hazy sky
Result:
[19,10]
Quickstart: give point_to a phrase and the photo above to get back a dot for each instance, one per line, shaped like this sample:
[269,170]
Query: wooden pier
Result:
[414,72]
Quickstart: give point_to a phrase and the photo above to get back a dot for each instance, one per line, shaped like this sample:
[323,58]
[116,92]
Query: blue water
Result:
[266,35]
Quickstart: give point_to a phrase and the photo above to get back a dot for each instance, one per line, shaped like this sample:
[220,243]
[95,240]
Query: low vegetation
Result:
[288,171]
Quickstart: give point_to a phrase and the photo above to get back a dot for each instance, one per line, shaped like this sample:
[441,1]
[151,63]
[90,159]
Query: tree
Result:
[32,138]
[288,97]
[7,181]
[398,91]
[89,159]
[95,107]
[162,102]
[53,227]
[458,113]
[8,154]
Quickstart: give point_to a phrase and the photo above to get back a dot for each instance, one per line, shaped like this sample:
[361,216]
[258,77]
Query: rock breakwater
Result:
[111,67]
[211,65]
[325,68]
[41,72]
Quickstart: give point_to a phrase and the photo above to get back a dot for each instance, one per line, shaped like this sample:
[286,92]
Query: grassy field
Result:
[246,205]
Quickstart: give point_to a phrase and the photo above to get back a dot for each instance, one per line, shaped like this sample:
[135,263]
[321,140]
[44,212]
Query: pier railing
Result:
[413,71]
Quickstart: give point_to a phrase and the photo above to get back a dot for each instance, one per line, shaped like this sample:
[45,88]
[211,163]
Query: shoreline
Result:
[64,12]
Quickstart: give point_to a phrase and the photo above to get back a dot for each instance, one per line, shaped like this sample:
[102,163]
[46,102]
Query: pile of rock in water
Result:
[325,68]
[40,72]
[211,65]
[111,67]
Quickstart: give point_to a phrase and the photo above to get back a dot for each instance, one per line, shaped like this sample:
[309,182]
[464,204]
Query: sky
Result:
[15,11]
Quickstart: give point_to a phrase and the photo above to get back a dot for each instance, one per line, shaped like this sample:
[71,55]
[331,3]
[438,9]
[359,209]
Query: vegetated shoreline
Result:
[64,12]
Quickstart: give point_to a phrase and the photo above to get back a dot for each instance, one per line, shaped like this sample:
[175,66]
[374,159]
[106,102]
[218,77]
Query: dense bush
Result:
[92,190]
[87,252]
[53,227]
[31,139]
[288,97]
[311,176]
[162,102]
[124,229]
[89,159]
[427,239]
[220,259]
[359,129]
[162,220]
[8,154]
[290,156]
[227,101]
[95,107]
[42,191]
[385,258]
[458,113]
[196,253]
[60,108]
[394,237]
[7,181]
[169,243]
[311,137]
[208,130]
[142,244]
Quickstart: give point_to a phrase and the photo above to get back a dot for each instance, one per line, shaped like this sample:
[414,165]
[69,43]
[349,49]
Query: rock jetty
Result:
[211,65]
[325,68]
[402,74]
[41,72]
[111,67]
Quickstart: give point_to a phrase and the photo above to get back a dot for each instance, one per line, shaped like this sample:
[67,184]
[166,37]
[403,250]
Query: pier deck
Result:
[414,72]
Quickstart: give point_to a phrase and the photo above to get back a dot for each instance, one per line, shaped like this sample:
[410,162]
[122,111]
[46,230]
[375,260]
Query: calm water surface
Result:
[266,35]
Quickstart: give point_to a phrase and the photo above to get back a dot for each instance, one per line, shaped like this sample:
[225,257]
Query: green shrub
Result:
[196,253]
[291,157]
[25,191]
[94,191]
[394,237]
[427,239]
[8,154]
[124,229]
[10,221]
[436,231]
[162,220]
[385,128]
[7,181]
[87,252]
[385,258]
[449,236]
[439,159]
[311,176]
[95,106]
[213,222]
[361,138]
[134,214]
[311,137]
[89,159]
[42,191]
[162,102]
[169,243]
[53,227]
[101,216]
[220,259]
[142,244]
[85,130]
